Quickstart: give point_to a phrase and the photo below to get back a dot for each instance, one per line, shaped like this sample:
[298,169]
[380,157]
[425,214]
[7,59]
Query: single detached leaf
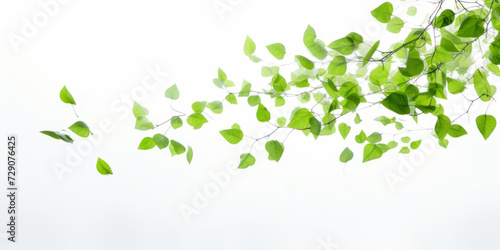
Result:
[281,121]
[196,120]
[176,148]
[456,131]
[81,129]
[232,136]
[344,130]
[405,139]
[139,110]
[397,102]
[415,144]
[249,46]
[189,155]
[245,89]
[176,122]
[172,92]
[346,155]
[442,126]
[300,119]
[404,150]
[146,143]
[103,167]
[371,152]
[277,50]
[486,124]
[279,101]
[455,86]
[216,107]
[383,13]
[412,11]
[246,160]
[275,150]
[66,97]
[160,140]
[58,136]
[263,115]
[370,53]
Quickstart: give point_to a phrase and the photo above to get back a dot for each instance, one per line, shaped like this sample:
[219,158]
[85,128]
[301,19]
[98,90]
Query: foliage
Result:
[454,50]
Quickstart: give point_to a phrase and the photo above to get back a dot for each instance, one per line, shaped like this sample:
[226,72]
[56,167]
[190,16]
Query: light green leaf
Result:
[456,131]
[161,141]
[277,50]
[371,152]
[361,137]
[316,48]
[245,89]
[196,120]
[231,98]
[246,160]
[486,124]
[263,115]
[415,144]
[275,150]
[103,167]
[279,101]
[405,139]
[357,119]
[146,143]
[176,148]
[176,122]
[281,121]
[442,126]
[216,107]
[395,25]
[344,130]
[58,136]
[189,155]
[374,137]
[383,13]
[380,75]
[482,86]
[300,119]
[143,123]
[471,27]
[139,110]
[172,92]
[338,66]
[81,129]
[253,100]
[412,11]
[198,107]
[279,83]
[233,136]
[304,62]
[66,97]
[344,46]
[249,46]
[370,53]
[455,86]
[346,155]
[404,150]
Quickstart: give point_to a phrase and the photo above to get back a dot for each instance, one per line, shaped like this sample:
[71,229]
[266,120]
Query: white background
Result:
[101,50]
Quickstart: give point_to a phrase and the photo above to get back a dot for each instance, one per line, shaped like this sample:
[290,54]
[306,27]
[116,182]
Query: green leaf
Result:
[371,152]
[233,136]
[315,127]
[172,92]
[81,129]
[380,75]
[455,86]
[143,123]
[316,48]
[346,155]
[344,46]
[338,66]
[383,13]
[160,140]
[103,167]
[442,55]
[198,107]
[221,75]
[443,143]
[176,148]
[216,107]
[66,97]
[482,86]
[356,38]
[196,120]
[253,100]
[370,53]
[277,50]
[231,98]
[275,150]
[471,27]
[395,25]
[304,62]
[189,155]
[246,160]
[263,115]
[374,137]
[456,131]
[279,83]
[357,119]
[415,144]
[139,110]
[392,144]
[404,150]
[486,124]
[281,121]
[245,89]
[300,119]
[397,102]
[444,19]
[412,11]
[176,122]
[361,137]
[249,46]
[344,130]
[58,136]
[279,101]
[146,143]
[442,126]
[405,139]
